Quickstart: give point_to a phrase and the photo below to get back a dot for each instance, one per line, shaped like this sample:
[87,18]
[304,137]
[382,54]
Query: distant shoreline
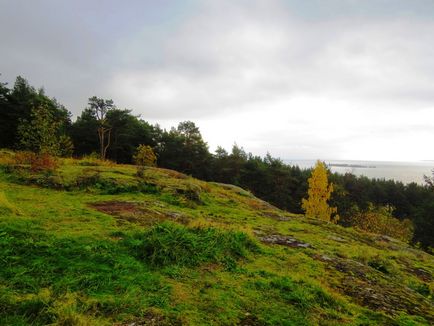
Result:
[343,165]
[406,172]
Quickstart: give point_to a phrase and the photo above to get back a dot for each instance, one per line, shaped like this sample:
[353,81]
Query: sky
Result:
[311,79]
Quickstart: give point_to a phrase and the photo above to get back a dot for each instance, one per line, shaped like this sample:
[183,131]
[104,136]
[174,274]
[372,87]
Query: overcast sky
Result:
[335,79]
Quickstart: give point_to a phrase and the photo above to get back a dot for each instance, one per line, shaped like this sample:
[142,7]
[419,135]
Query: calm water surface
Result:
[400,171]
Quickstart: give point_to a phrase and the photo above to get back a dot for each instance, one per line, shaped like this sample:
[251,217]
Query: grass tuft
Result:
[171,244]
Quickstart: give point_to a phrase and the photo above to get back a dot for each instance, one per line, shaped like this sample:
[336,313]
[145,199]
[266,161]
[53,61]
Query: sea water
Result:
[405,172]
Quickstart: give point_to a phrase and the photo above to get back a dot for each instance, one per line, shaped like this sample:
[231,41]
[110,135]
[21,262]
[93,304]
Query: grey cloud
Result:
[204,60]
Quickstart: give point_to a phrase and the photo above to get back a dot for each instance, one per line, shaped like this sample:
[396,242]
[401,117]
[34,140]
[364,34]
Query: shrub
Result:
[24,157]
[171,244]
[144,156]
[38,161]
[380,220]
[43,162]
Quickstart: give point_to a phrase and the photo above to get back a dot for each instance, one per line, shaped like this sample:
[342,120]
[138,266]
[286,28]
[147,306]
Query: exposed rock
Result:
[323,258]
[336,238]
[284,241]
[386,238]
[375,290]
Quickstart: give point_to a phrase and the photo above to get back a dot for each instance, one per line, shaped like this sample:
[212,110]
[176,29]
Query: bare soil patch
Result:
[138,212]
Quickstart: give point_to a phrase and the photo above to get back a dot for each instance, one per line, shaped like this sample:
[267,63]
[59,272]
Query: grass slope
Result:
[93,244]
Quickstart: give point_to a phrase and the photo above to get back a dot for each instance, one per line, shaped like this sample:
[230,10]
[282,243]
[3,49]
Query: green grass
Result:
[168,244]
[176,250]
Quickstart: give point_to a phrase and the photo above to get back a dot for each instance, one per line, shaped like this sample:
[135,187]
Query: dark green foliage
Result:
[127,132]
[184,150]
[16,105]
[171,244]
[83,133]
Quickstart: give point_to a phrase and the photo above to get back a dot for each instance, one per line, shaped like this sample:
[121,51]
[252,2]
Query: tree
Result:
[319,192]
[145,156]
[128,132]
[99,108]
[183,149]
[429,181]
[83,133]
[39,133]
[16,105]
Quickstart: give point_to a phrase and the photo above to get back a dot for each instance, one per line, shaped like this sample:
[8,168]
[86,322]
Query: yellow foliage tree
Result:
[319,192]
[145,156]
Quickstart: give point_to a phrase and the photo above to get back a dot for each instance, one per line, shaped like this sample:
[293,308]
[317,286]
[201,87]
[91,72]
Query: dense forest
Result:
[117,133]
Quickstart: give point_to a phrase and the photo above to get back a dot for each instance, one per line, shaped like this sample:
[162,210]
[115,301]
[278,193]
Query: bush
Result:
[24,157]
[380,220]
[43,162]
[171,244]
[38,161]
[144,156]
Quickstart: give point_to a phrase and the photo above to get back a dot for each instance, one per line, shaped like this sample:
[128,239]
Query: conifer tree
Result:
[319,192]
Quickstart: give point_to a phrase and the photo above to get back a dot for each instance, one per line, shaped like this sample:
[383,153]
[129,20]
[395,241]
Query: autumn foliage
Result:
[380,220]
[319,192]
[145,156]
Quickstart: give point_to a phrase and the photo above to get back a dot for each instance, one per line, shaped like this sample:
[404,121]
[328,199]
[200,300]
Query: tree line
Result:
[115,134]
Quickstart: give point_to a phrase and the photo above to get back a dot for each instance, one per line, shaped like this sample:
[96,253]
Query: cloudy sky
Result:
[335,79]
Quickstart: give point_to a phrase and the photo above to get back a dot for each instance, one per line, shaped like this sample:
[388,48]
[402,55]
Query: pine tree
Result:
[319,192]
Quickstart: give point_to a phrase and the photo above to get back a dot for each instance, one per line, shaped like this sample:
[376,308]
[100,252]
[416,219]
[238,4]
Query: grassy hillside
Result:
[94,244]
